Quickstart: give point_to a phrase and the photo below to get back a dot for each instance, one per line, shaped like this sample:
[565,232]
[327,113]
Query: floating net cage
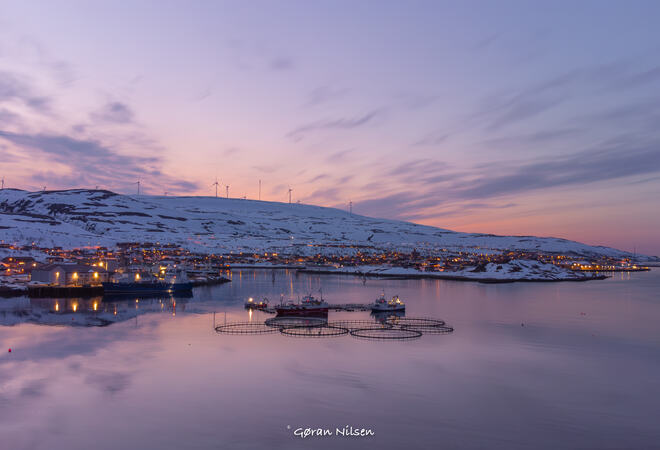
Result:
[415,322]
[394,328]
[290,322]
[356,324]
[315,331]
[443,329]
[383,333]
[245,328]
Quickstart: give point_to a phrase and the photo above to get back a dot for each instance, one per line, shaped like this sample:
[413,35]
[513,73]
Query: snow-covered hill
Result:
[75,218]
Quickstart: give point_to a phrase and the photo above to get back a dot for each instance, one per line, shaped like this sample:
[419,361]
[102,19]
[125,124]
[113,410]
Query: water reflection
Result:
[532,365]
[85,312]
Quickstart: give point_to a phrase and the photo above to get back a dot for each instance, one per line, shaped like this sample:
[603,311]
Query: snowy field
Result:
[77,218]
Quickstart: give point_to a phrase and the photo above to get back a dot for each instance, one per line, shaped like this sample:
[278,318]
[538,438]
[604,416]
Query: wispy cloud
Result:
[15,87]
[339,157]
[91,163]
[325,94]
[619,159]
[114,112]
[281,63]
[333,124]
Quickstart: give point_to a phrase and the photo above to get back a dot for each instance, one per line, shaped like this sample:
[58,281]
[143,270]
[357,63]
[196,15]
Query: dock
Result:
[64,291]
[332,307]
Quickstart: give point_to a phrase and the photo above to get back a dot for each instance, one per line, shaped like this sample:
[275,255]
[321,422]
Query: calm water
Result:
[556,365]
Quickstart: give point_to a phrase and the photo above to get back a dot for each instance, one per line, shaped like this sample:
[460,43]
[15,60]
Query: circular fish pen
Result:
[391,329]
[314,331]
[387,334]
[442,329]
[422,323]
[358,324]
[291,322]
[245,328]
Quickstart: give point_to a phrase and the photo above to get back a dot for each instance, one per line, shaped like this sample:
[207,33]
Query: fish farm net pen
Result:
[245,328]
[314,331]
[355,324]
[398,334]
[429,330]
[415,322]
[278,322]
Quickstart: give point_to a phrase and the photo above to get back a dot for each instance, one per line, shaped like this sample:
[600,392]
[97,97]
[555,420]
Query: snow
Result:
[77,218]
[515,270]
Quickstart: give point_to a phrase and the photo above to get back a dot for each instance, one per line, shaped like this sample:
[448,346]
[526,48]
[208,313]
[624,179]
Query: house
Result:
[69,274]
[18,264]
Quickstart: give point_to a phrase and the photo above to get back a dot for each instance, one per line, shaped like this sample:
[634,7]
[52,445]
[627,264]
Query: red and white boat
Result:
[309,306]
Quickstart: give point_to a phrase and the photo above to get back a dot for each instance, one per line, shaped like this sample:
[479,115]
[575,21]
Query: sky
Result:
[527,118]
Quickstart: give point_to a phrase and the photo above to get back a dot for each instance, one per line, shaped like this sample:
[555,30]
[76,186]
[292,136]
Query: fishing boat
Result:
[252,304]
[144,283]
[309,306]
[381,304]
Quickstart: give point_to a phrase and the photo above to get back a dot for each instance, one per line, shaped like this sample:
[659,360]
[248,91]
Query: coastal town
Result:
[39,271]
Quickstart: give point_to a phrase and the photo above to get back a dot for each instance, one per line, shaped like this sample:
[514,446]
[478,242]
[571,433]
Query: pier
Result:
[64,291]
[335,307]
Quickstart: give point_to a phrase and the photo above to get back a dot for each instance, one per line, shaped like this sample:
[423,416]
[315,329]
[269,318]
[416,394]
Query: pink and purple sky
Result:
[502,117]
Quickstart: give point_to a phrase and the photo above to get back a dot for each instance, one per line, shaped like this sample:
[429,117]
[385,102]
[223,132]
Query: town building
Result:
[69,275]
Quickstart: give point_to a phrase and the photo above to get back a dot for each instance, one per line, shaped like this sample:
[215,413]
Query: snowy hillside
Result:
[76,218]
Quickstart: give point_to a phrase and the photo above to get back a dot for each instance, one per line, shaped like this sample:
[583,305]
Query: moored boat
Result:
[147,284]
[309,306]
[253,304]
[381,304]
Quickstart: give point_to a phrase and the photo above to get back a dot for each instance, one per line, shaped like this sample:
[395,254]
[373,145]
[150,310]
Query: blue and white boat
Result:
[141,283]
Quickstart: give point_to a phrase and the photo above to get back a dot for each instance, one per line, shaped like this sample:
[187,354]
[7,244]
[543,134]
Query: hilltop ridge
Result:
[82,217]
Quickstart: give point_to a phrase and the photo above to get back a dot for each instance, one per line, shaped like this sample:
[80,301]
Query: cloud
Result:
[339,157]
[486,42]
[424,170]
[91,163]
[325,94]
[15,88]
[536,137]
[619,159]
[432,140]
[281,63]
[332,124]
[7,117]
[319,178]
[114,112]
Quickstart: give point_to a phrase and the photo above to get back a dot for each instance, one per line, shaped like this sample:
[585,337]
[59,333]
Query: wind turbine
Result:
[216,184]
[3,183]
[350,206]
[138,186]
[227,187]
[259,188]
[290,190]
[44,189]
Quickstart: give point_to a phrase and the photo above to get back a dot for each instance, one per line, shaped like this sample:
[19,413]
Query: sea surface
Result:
[529,365]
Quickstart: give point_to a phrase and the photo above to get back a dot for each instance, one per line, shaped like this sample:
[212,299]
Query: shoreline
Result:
[451,277]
